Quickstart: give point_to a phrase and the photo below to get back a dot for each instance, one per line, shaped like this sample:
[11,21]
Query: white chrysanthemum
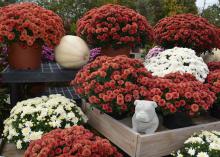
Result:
[210,137]
[41,113]
[177,59]
[202,154]
[214,146]
[194,140]
[36,135]
[179,154]
[19,144]
[216,132]
[191,151]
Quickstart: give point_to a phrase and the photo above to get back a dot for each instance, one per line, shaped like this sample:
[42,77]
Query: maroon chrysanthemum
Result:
[187,30]
[114,24]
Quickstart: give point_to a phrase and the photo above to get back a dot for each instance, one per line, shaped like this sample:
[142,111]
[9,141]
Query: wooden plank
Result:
[118,133]
[164,142]
[10,150]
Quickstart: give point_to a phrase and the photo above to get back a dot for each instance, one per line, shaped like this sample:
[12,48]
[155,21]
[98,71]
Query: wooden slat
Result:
[118,133]
[9,150]
[164,142]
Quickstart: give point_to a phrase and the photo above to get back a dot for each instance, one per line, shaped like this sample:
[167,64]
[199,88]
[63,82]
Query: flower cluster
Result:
[30,23]
[203,144]
[47,54]
[115,25]
[31,118]
[175,93]
[187,30]
[94,53]
[110,83]
[177,59]
[213,80]
[178,78]
[214,66]
[75,141]
[154,52]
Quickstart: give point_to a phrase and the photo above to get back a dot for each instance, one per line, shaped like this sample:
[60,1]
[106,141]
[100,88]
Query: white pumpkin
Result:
[72,52]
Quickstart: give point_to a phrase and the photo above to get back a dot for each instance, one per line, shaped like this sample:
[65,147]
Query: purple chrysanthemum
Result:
[94,53]
[154,52]
[47,54]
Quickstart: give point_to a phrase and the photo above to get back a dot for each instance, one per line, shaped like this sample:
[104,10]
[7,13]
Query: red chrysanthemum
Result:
[213,81]
[179,93]
[75,141]
[187,30]
[116,92]
[214,66]
[30,23]
[114,24]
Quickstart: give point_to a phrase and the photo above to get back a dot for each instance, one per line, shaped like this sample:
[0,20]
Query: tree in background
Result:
[97,3]
[6,2]
[173,7]
[71,10]
[153,10]
[68,10]
[212,13]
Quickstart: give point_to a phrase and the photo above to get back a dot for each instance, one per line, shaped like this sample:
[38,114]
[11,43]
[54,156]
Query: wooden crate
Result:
[10,150]
[161,143]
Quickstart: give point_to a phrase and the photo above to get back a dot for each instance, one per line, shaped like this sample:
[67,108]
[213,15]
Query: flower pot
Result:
[37,89]
[119,117]
[215,111]
[177,120]
[23,57]
[112,52]
[3,115]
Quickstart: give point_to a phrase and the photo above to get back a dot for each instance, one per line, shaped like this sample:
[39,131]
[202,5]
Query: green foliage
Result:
[154,10]
[6,2]
[98,3]
[173,7]
[212,13]
[69,10]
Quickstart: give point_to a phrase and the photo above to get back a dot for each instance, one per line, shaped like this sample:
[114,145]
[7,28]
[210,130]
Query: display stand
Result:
[48,72]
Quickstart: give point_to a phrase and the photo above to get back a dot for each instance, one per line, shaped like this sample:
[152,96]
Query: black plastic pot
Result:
[177,120]
[215,111]
[5,114]
[119,117]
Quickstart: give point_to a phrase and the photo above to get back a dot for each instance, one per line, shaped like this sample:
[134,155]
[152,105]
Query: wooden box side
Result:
[118,133]
[10,150]
[163,143]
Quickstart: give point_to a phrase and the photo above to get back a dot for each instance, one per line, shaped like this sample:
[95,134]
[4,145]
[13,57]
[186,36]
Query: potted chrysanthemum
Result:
[115,28]
[111,84]
[31,118]
[179,98]
[187,30]
[75,141]
[213,80]
[177,59]
[201,144]
[25,27]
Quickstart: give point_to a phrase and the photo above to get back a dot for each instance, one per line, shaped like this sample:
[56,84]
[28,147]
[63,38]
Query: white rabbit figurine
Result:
[145,119]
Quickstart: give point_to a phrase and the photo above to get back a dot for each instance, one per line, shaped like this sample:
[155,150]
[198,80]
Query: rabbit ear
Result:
[154,104]
[136,102]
